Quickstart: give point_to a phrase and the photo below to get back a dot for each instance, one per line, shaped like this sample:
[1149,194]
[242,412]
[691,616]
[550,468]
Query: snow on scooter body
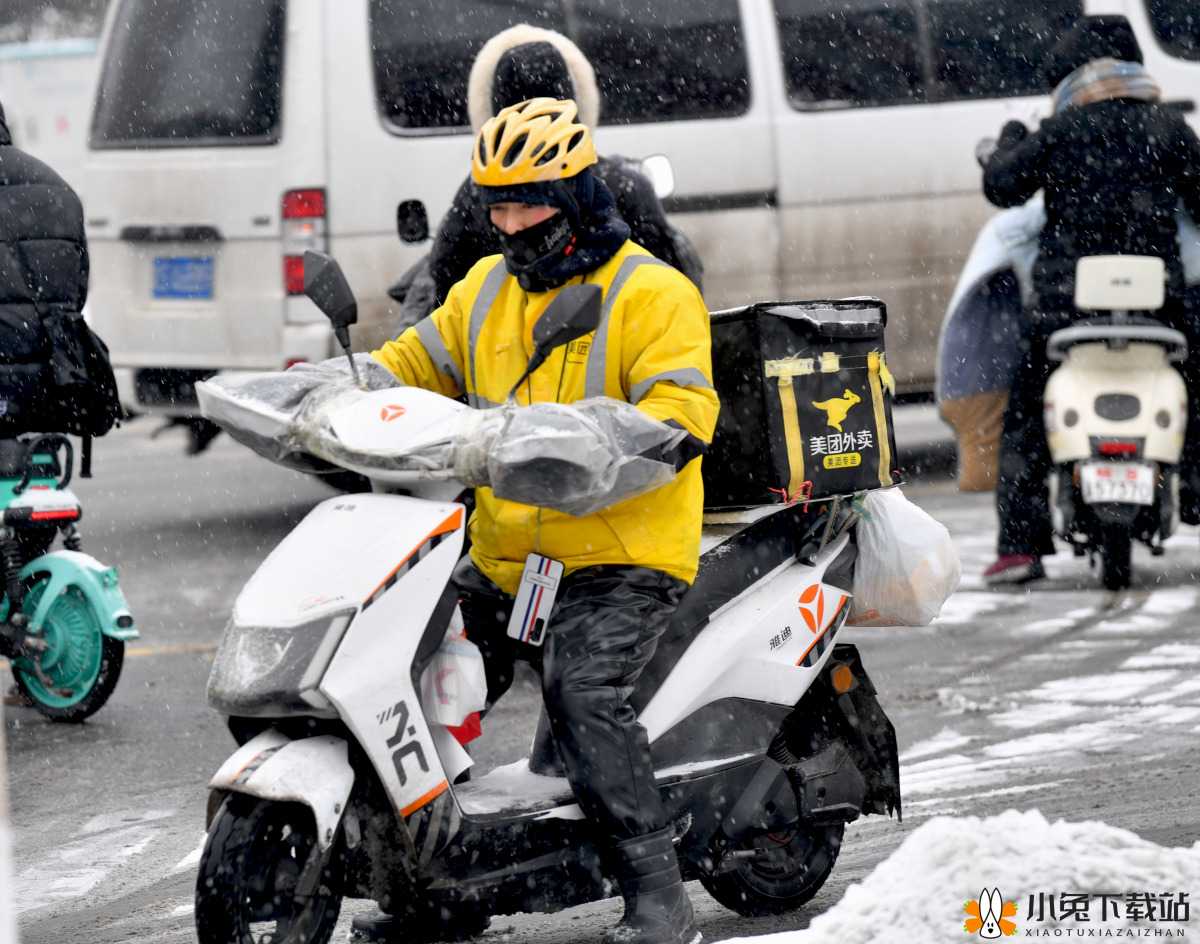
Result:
[766,734]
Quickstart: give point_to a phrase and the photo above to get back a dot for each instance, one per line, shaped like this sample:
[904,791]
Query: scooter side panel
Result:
[343,551]
[767,645]
[370,678]
[315,772]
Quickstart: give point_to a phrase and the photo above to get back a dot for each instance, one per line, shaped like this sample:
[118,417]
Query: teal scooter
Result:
[64,621]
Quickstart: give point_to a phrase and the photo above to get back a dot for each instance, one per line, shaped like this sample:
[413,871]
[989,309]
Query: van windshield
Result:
[191,72]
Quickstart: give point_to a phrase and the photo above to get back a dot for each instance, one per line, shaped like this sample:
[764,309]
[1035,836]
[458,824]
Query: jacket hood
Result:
[5,137]
[1092,37]
[483,72]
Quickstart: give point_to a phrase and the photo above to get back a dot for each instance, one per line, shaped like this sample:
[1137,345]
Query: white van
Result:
[819,148]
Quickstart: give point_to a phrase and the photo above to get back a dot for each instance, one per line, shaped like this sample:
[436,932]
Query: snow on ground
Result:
[919,893]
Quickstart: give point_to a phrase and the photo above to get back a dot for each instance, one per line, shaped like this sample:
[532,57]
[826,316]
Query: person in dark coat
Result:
[521,63]
[43,257]
[1114,166]
[43,263]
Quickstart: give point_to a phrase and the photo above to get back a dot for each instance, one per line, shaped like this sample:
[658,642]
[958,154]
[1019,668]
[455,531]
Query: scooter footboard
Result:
[314,772]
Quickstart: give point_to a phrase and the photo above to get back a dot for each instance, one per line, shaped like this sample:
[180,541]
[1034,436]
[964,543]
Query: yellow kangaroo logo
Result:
[837,408]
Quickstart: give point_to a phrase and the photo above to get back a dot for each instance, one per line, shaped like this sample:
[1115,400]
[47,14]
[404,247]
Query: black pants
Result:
[1022,496]
[603,630]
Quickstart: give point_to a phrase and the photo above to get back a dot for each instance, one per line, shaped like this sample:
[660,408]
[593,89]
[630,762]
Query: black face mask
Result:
[537,245]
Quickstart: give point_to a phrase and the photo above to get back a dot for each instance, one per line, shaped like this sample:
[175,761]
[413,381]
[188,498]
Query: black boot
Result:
[657,909]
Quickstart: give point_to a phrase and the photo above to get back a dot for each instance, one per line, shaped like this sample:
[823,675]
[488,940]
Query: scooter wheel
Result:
[252,861]
[80,662]
[789,869]
[1116,559]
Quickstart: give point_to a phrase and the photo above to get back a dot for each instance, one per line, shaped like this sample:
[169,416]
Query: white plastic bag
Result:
[907,565]
[454,684]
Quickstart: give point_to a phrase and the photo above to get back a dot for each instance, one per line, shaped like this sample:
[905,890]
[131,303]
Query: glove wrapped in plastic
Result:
[575,458]
[261,410]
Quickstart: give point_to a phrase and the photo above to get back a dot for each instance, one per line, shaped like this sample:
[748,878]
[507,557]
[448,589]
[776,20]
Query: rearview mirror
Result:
[325,284]
[573,313]
[658,169]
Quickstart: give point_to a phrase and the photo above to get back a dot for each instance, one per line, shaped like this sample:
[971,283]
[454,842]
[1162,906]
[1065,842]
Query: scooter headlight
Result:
[273,671]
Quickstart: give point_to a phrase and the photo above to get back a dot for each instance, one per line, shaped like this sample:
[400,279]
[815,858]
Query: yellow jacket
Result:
[652,349]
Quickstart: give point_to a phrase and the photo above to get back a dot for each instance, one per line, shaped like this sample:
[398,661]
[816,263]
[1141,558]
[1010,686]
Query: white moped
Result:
[766,733]
[1116,415]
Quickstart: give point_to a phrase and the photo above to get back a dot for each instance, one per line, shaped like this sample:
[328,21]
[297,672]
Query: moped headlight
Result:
[270,671]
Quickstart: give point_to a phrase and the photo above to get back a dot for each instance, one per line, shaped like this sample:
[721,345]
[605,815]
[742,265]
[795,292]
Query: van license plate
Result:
[183,277]
[1126,483]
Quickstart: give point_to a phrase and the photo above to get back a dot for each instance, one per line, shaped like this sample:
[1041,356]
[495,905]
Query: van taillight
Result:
[303,215]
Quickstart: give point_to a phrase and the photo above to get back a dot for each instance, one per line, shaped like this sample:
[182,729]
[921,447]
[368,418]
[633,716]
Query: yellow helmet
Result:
[532,142]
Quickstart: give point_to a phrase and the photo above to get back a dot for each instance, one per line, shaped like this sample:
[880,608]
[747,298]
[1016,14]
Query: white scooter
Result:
[766,734]
[1116,415]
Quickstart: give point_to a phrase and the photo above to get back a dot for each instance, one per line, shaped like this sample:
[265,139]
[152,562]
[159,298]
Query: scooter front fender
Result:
[96,582]
[313,771]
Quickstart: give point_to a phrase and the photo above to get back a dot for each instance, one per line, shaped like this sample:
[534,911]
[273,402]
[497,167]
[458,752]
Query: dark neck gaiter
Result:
[582,237]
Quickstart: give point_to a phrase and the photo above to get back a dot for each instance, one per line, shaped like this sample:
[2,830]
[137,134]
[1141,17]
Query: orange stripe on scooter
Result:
[426,799]
[453,523]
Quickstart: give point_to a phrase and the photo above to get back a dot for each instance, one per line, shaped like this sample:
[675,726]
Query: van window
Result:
[1177,26]
[867,53]
[851,53]
[982,49]
[670,60]
[191,72]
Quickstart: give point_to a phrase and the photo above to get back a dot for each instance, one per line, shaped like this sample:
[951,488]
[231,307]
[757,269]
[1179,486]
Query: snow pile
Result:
[918,893]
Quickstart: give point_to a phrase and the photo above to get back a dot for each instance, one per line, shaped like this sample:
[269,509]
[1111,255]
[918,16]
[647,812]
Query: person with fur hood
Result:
[518,64]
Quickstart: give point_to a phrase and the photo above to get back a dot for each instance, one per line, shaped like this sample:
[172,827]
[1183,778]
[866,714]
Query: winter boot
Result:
[657,909]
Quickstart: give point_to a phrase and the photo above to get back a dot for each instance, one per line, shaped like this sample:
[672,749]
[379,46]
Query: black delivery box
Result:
[806,403]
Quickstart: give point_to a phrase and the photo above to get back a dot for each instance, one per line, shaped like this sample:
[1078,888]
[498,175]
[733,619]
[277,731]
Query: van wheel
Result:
[1116,559]
[790,868]
[252,862]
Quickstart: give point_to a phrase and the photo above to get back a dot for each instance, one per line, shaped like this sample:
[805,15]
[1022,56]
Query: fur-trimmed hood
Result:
[583,77]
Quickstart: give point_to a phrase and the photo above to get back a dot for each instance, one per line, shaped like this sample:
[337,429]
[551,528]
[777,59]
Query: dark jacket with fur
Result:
[466,235]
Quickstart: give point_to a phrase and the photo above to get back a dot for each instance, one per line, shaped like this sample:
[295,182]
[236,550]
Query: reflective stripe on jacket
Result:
[652,349]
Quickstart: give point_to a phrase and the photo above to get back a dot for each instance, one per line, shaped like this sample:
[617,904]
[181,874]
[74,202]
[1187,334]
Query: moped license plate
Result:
[1124,483]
